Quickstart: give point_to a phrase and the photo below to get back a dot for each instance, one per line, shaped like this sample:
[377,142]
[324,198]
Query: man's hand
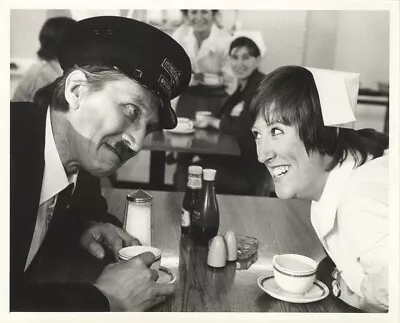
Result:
[100,235]
[131,286]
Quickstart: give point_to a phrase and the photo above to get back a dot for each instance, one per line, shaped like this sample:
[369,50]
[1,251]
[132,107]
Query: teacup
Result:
[293,273]
[184,124]
[201,118]
[132,251]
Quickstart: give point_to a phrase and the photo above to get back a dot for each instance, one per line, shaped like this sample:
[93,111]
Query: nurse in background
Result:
[47,68]
[298,116]
[242,174]
[207,46]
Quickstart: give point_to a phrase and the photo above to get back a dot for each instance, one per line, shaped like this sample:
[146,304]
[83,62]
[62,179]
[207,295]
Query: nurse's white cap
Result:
[255,36]
[338,93]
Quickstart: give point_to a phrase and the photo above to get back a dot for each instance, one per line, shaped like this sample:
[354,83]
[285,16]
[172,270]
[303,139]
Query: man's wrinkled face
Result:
[111,125]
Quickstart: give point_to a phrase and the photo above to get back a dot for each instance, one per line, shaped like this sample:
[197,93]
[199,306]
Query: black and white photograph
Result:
[202,159]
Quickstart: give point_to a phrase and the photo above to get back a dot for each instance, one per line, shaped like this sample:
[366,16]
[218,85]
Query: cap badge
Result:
[171,70]
[165,84]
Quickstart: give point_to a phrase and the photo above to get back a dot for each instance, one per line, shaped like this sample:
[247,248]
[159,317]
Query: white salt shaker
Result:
[138,216]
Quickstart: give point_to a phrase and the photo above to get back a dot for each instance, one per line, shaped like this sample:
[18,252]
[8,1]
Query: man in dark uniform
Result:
[119,77]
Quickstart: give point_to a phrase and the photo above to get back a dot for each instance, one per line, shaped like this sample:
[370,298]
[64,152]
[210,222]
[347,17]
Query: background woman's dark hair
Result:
[186,11]
[288,95]
[245,42]
[50,35]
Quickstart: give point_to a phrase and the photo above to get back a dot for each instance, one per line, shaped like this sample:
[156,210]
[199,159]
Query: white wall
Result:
[24,32]
[283,32]
[320,41]
[362,45]
[345,40]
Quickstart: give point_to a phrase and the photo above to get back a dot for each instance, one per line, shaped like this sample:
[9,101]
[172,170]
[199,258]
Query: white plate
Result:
[212,84]
[166,276]
[317,292]
[181,131]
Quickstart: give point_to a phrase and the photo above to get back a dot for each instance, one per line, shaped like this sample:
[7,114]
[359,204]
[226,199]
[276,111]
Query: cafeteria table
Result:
[201,141]
[280,226]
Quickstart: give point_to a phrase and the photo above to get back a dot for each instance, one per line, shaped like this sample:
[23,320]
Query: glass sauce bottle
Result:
[192,195]
[206,214]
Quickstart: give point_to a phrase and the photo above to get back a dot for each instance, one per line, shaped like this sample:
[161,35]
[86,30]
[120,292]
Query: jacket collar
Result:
[208,45]
[55,178]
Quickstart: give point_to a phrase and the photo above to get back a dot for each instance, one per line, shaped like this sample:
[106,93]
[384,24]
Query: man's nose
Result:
[134,137]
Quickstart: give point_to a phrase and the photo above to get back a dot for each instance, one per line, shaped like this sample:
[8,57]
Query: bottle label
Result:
[185,219]
[194,182]
[196,216]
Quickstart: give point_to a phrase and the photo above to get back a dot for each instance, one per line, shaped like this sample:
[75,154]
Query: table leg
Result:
[157,169]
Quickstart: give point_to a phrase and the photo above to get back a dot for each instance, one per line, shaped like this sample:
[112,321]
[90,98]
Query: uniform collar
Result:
[323,211]
[208,44]
[55,178]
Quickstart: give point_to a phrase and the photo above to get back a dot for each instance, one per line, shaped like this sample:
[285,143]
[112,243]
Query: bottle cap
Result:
[139,196]
[195,170]
[209,174]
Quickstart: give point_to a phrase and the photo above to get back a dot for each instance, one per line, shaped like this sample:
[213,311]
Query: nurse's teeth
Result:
[280,170]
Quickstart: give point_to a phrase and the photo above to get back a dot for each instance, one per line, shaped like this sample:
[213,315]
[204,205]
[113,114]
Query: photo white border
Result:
[392,316]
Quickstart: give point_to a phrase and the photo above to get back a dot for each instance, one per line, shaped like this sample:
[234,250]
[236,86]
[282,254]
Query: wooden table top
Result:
[281,226]
[202,141]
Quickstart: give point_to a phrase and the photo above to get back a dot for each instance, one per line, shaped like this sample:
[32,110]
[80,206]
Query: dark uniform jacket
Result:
[27,135]
[250,175]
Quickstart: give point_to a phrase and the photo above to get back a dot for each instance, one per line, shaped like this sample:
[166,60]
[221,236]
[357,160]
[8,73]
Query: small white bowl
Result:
[132,251]
[293,273]
[184,124]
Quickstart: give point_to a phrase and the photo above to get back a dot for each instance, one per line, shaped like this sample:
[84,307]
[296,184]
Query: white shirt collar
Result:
[55,178]
[323,212]
[208,44]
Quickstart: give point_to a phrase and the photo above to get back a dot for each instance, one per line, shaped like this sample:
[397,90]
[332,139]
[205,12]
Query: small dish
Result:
[165,276]
[316,293]
[184,126]
[182,131]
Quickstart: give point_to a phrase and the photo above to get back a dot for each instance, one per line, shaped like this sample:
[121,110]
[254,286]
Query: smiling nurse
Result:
[298,116]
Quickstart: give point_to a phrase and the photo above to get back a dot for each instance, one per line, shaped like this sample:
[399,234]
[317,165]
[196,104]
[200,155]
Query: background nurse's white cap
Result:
[255,36]
[338,92]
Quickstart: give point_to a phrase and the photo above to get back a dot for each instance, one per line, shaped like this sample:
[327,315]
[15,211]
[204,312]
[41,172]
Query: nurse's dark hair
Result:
[97,77]
[245,42]
[288,95]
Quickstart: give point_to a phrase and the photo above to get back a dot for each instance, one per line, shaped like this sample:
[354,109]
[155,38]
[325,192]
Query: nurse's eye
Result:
[276,131]
[131,112]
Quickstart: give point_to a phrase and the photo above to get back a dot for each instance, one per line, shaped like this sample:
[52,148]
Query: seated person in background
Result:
[207,46]
[298,115]
[242,174]
[47,69]
[101,109]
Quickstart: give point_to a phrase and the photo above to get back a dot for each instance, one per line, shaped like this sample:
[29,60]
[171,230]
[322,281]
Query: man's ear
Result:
[75,86]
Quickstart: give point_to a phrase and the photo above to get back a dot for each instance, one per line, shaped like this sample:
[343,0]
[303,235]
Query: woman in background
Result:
[243,174]
[47,69]
[298,115]
[207,46]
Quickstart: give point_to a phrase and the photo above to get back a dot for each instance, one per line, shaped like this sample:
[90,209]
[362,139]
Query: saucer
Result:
[181,131]
[317,292]
[212,84]
[165,276]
